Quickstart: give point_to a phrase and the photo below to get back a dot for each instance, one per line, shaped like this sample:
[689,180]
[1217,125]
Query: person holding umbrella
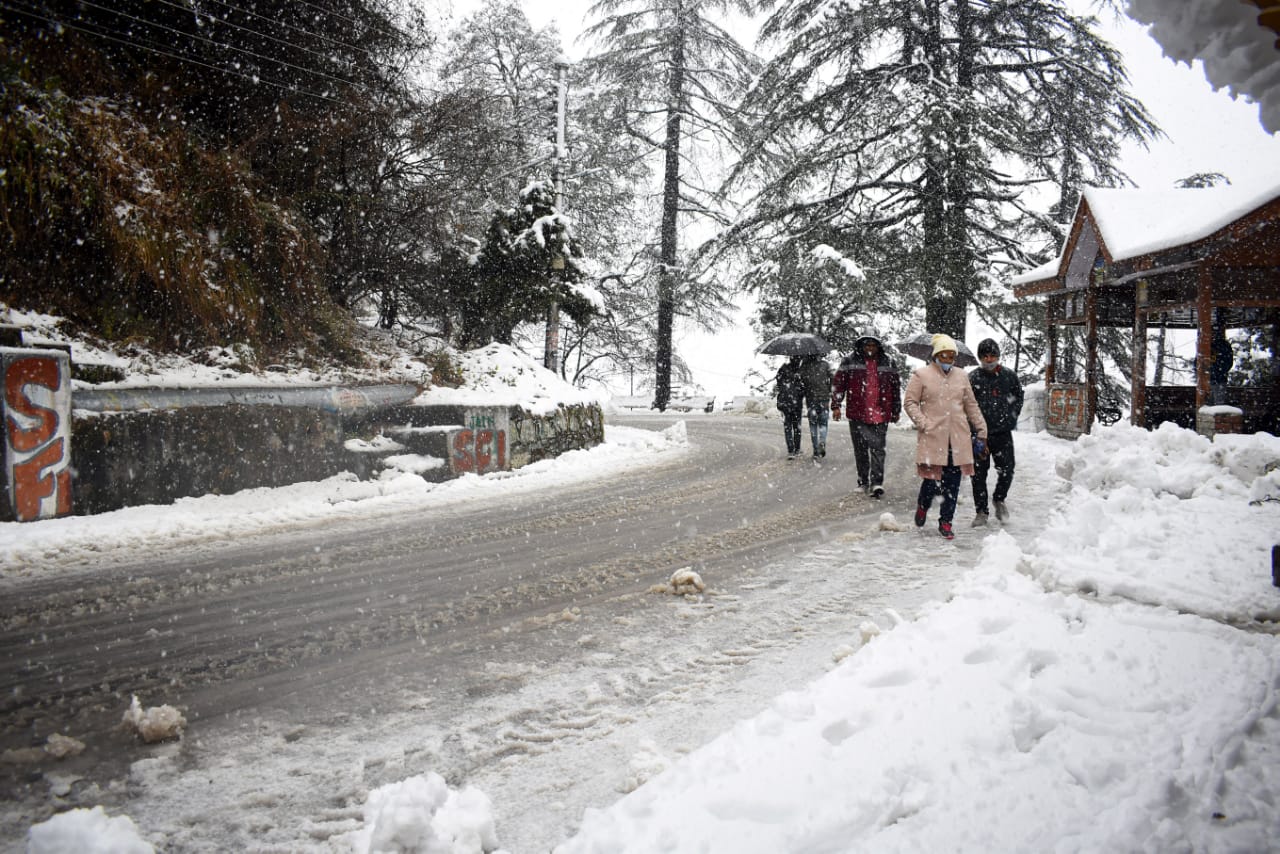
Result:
[941,403]
[791,385]
[790,392]
[870,384]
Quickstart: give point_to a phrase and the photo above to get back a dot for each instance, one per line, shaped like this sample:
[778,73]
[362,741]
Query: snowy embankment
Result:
[59,544]
[1110,684]
[1041,708]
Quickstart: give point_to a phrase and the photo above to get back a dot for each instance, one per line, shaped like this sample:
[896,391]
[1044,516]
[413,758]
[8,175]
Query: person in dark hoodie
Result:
[871,391]
[790,392]
[816,374]
[999,395]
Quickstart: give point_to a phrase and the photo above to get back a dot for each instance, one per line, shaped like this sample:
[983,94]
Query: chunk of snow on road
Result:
[683,582]
[87,832]
[422,814]
[158,723]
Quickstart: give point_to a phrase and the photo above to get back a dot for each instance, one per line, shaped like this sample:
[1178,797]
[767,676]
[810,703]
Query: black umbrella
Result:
[796,344]
[921,347]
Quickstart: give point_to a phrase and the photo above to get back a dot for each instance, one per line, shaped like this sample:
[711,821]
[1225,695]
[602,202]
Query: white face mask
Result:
[990,366]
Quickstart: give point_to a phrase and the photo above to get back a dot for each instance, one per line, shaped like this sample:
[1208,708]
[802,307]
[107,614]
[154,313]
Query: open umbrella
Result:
[796,344]
[921,347]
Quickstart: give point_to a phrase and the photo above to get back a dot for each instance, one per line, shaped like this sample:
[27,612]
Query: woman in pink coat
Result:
[940,402]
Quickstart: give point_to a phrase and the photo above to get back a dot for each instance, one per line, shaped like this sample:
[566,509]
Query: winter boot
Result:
[1002,512]
[944,528]
[980,520]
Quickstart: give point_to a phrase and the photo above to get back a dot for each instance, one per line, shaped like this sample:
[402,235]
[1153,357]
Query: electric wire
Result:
[254,78]
[208,41]
[305,32]
[342,16]
[259,33]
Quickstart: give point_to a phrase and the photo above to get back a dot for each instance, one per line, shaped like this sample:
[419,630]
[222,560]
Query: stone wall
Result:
[121,459]
[537,437]
[156,456]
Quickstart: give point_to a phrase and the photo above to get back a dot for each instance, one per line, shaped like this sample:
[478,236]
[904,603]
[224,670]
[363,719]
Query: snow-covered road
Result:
[505,639]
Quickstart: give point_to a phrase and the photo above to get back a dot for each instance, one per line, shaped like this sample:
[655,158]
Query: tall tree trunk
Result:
[668,271]
[960,282]
[935,227]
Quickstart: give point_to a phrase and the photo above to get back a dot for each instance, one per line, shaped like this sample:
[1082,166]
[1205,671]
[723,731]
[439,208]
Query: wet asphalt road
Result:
[309,619]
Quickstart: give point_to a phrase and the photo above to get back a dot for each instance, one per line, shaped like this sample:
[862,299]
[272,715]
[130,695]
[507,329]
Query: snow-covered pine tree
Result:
[684,73]
[948,125]
[529,259]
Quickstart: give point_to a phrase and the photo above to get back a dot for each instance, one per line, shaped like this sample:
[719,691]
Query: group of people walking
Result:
[964,422]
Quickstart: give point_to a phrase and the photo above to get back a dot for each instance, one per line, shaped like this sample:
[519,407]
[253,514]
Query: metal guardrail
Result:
[340,399]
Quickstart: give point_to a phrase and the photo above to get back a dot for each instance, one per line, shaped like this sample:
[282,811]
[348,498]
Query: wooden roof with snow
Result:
[1121,235]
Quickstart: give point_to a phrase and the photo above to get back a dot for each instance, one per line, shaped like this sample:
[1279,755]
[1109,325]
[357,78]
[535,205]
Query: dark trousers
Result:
[949,486]
[1001,446]
[791,429]
[868,451]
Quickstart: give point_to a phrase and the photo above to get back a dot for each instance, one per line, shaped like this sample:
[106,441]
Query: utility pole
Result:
[551,357]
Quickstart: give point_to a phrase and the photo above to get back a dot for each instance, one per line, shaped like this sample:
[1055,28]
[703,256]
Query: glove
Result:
[979,448]
[835,413]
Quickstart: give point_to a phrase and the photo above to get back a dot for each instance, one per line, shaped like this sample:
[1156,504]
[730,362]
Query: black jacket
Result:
[790,389]
[815,373]
[999,397]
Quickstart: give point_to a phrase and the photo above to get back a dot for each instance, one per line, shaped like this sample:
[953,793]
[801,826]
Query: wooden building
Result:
[1194,259]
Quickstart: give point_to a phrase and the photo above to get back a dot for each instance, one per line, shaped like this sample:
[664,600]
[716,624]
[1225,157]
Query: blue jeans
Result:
[949,487]
[819,416]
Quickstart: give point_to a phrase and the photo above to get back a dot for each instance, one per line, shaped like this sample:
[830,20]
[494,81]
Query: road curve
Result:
[309,617]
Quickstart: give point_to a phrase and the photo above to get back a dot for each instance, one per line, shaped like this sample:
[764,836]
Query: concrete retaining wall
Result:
[121,459]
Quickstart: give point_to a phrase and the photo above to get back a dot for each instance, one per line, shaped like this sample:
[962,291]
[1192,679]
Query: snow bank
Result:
[1021,715]
[87,832]
[1168,517]
[499,375]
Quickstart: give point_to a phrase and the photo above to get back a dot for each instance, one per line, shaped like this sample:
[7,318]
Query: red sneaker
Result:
[944,528]
[921,513]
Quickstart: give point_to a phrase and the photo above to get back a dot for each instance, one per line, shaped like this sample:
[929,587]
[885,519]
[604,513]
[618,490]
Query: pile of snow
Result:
[1103,689]
[158,723]
[87,832]
[683,582]
[499,375]
[889,522]
[1206,512]
[422,814]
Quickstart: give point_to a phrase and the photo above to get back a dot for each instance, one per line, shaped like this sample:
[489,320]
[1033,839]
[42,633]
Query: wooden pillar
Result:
[1204,334]
[1138,369]
[1090,355]
[1051,332]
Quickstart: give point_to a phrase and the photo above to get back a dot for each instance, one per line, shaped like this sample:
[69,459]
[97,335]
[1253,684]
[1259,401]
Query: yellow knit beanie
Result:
[943,342]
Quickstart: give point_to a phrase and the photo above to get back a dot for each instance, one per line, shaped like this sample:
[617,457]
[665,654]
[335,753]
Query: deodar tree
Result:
[684,74]
[935,135]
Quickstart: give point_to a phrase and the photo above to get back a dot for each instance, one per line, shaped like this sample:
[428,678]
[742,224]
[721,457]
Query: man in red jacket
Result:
[871,390]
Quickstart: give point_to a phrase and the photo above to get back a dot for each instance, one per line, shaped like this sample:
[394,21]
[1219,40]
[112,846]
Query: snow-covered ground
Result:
[1104,677]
